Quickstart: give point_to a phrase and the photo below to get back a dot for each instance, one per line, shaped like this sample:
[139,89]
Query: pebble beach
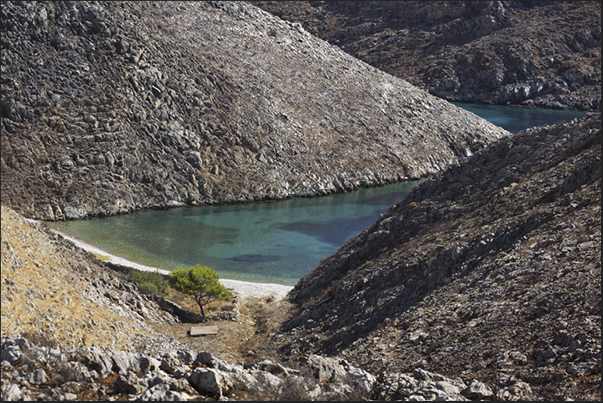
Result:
[243,289]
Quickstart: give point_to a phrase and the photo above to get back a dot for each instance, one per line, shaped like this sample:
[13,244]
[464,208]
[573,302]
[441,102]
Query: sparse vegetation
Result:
[104,258]
[150,282]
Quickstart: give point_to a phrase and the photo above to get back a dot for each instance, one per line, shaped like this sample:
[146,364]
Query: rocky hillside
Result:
[111,107]
[490,271]
[60,295]
[542,53]
[72,329]
[483,284]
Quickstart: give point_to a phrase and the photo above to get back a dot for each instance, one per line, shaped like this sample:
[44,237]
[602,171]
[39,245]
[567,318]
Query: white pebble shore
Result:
[243,289]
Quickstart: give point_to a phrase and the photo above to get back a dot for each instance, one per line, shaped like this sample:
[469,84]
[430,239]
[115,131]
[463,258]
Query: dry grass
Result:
[42,296]
[245,341]
[104,258]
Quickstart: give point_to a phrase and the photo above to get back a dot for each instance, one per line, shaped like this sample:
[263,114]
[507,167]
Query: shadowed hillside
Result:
[491,270]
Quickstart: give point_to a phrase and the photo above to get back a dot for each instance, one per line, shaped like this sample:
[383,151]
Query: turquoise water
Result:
[516,118]
[275,242]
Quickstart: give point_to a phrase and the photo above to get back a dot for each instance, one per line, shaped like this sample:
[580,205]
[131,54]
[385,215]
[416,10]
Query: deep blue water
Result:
[276,242]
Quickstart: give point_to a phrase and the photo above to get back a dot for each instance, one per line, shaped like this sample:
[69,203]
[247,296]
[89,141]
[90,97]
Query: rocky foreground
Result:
[488,271]
[546,54]
[112,107]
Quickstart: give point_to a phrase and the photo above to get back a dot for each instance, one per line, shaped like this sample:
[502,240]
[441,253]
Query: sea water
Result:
[271,242]
[517,118]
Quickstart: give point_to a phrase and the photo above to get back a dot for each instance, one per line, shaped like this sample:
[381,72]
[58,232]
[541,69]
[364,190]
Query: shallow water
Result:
[275,242]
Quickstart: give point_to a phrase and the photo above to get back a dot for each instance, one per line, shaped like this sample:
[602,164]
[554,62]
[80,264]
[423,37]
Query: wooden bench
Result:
[203,330]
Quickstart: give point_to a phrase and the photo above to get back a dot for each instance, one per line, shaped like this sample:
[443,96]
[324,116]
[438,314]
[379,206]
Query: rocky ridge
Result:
[545,54]
[111,107]
[92,374]
[490,271]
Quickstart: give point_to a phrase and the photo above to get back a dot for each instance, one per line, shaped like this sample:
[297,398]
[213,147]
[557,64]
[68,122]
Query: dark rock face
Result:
[111,107]
[490,271]
[546,53]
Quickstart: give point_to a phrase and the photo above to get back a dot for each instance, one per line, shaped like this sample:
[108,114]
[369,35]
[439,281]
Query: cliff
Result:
[112,107]
[535,53]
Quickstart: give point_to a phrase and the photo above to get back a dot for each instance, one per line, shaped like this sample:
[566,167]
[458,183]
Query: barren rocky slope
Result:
[543,53]
[490,270]
[72,329]
[483,284]
[110,107]
[59,294]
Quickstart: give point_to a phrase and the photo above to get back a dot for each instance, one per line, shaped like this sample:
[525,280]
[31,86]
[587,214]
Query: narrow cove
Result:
[517,118]
[271,242]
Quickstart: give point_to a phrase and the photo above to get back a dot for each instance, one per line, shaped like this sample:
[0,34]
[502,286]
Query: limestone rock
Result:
[170,104]
[469,51]
[209,381]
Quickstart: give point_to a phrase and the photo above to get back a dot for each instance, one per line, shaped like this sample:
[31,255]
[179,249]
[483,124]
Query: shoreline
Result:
[243,289]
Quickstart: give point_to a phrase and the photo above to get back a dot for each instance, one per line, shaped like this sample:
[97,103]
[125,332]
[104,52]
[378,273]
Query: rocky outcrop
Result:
[545,54]
[33,372]
[111,107]
[490,271]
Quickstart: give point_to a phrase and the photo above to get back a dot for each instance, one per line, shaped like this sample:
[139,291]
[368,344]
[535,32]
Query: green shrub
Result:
[150,282]
[201,282]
